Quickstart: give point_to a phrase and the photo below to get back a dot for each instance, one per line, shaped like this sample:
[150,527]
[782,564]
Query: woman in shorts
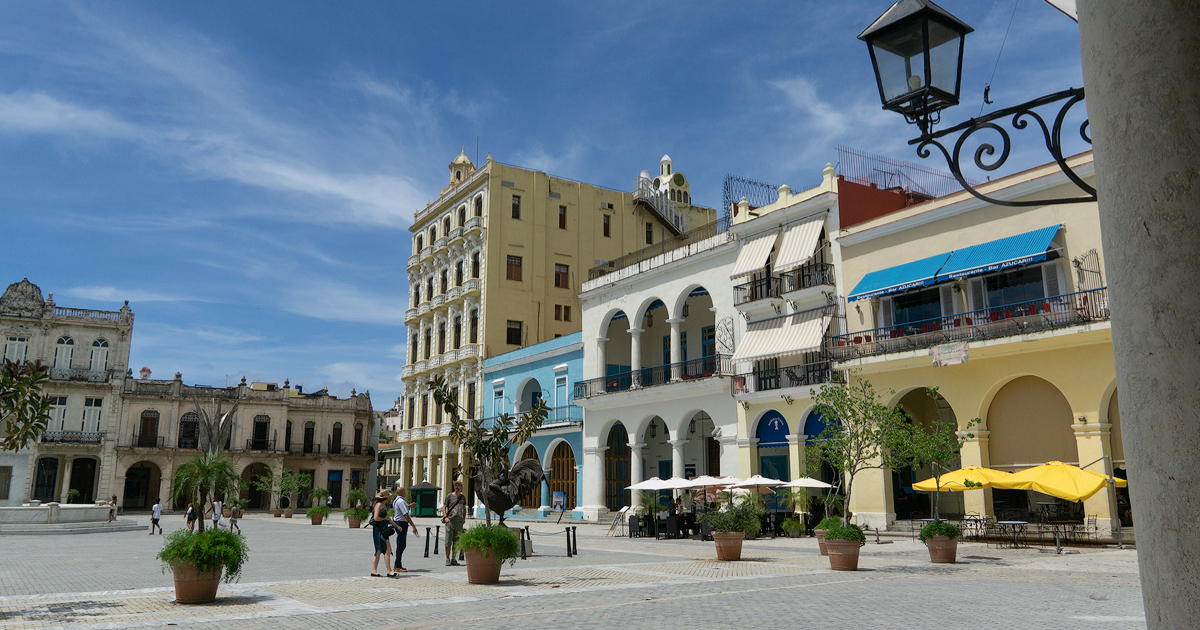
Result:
[191,517]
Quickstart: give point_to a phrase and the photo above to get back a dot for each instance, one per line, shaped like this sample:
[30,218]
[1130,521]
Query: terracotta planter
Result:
[277,512]
[729,545]
[843,554]
[193,587]
[482,567]
[287,513]
[226,513]
[821,541]
[316,519]
[942,549]
[355,523]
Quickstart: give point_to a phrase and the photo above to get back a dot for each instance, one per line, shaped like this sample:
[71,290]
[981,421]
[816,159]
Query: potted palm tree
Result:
[357,512]
[486,548]
[72,494]
[736,520]
[197,559]
[319,511]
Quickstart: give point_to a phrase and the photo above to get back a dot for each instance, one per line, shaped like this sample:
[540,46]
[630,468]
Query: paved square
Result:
[301,575]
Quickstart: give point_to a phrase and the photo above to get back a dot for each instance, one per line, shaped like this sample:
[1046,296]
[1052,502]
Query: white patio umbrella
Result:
[806,482]
[758,482]
[653,483]
[707,482]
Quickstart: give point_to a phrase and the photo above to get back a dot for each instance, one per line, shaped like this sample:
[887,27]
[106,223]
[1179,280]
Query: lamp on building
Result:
[692,426]
[917,52]
[653,428]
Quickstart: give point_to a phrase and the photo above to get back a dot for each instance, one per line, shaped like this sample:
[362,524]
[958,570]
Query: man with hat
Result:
[401,519]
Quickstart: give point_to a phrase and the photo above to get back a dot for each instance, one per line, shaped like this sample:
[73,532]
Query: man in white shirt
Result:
[216,514]
[155,514]
[402,520]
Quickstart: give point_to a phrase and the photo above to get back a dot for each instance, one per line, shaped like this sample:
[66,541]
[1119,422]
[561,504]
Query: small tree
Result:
[488,444]
[292,482]
[858,427]
[204,477]
[938,448]
[271,483]
[24,409]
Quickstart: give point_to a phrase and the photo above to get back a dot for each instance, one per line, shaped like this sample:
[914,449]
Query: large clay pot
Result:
[316,519]
[226,512]
[821,541]
[843,554]
[287,513]
[194,587]
[355,523]
[942,549]
[482,567]
[729,545]
[277,512]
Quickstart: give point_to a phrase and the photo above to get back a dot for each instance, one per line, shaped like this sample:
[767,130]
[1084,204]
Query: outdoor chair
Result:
[705,532]
[791,374]
[635,526]
[1088,529]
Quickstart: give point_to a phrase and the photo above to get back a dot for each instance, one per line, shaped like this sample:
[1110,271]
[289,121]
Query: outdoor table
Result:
[1015,526]
[1063,529]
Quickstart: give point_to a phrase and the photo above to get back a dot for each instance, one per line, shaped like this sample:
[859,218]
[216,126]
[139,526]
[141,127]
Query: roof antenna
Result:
[988,88]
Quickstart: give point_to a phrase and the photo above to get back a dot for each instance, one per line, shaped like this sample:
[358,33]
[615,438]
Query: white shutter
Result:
[977,295]
[1050,280]
[885,312]
[948,305]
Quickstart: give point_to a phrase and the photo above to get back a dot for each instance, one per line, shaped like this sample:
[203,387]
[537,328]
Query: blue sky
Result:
[244,173]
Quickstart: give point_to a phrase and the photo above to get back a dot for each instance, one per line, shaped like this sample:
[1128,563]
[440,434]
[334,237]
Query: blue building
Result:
[512,382]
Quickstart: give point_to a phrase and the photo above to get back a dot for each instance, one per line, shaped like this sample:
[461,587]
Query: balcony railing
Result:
[704,367]
[1006,320]
[439,300]
[556,417]
[87,315]
[413,260]
[455,233]
[406,370]
[260,444]
[454,292]
[471,285]
[473,223]
[410,313]
[769,287]
[147,440]
[807,276]
[72,437]
[306,449]
[188,442]
[440,243]
[720,226]
[85,376]
[423,308]
[800,375]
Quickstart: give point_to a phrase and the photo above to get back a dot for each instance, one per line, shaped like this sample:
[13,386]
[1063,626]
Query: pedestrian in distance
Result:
[233,519]
[112,509]
[381,527]
[155,514]
[216,513]
[401,520]
[191,517]
[454,515]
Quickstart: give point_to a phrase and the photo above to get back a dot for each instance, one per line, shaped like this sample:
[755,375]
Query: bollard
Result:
[522,538]
[427,541]
[437,537]
[575,538]
[568,542]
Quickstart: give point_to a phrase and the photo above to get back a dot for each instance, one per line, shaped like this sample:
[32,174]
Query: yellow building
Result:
[1013,301]
[498,262]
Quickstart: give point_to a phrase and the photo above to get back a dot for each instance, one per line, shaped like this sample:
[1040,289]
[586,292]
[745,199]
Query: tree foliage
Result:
[937,447]
[24,409]
[204,477]
[271,483]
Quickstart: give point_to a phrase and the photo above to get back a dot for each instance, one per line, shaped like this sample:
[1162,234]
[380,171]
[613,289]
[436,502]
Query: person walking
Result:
[155,514]
[233,518]
[112,509]
[191,517]
[401,519]
[381,530]
[454,514]
[216,513]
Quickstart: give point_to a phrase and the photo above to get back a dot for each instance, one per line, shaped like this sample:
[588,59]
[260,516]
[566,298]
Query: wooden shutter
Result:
[947,298]
[885,312]
[1050,280]
[977,295]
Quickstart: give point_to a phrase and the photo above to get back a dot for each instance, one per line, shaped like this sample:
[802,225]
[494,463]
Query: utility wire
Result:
[987,88]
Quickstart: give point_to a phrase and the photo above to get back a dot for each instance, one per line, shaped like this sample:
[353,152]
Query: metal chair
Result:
[635,526]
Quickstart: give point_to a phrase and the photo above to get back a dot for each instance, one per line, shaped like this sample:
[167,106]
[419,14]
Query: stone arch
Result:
[682,298]
[753,428]
[526,392]
[645,307]
[142,480]
[1029,422]
[1110,412]
[530,500]
[563,477]
[926,410]
[256,499]
[617,462]
[548,452]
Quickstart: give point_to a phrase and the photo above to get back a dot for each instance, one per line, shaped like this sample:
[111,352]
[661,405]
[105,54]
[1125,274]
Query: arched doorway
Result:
[814,425]
[773,462]
[83,478]
[532,499]
[562,475]
[616,468]
[616,353]
[1029,422]
[45,479]
[528,395]
[929,410]
[256,499]
[141,486]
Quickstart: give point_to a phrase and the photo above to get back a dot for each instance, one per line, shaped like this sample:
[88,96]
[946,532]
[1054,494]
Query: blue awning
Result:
[917,273]
[1013,251]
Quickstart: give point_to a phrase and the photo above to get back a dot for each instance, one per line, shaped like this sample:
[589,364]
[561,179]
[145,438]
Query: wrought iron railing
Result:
[807,276]
[306,449]
[72,437]
[73,374]
[799,375]
[770,286]
[188,442]
[1007,320]
[147,440]
[720,226]
[704,367]
[555,417]
[340,449]
[260,444]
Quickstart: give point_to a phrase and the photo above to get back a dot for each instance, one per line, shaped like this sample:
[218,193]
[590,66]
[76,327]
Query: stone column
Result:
[593,498]
[677,456]
[444,470]
[635,471]
[66,479]
[635,355]
[545,506]
[1092,440]
[602,357]
[975,453]
[676,348]
[747,457]
[1139,66]
[796,467]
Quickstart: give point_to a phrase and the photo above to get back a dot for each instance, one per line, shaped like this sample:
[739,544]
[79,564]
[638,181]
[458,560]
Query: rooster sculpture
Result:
[504,492]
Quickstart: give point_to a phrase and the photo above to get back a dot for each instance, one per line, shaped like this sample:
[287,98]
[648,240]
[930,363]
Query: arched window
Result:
[147,436]
[462,216]
[189,430]
[420,242]
[458,332]
[416,296]
[479,206]
[458,273]
[429,287]
[672,194]
[441,337]
[335,440]
[63,351]
[475,265]
[562,473]
[445,281]
[287,437]
[99,355]
[414,350]
[475,326]
[446,225]
[428,341]
[432,234]
[358,439]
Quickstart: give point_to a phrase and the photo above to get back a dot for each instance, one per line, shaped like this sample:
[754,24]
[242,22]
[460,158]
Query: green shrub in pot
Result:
[938,528]
[207,550]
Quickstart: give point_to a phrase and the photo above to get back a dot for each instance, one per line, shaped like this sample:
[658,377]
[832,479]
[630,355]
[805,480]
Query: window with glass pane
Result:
[917,306]
[562,217]
[607,224]
[561,273]
[516,207]
[514,268]
[900,60]
[1021,285]
[514,333]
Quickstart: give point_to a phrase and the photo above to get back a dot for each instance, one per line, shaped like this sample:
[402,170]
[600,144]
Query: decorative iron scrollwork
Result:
[1021,116]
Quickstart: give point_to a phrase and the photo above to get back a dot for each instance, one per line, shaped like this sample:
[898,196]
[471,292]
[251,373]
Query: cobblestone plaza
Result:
[316,577]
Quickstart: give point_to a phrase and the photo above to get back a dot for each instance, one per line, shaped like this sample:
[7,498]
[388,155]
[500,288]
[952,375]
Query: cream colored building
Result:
[88,352]
[498,260]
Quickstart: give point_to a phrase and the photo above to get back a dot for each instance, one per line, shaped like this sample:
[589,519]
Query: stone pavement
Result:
[299,575]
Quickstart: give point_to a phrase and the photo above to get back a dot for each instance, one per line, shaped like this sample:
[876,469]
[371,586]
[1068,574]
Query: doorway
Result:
[45,480]
[148,431]
[83,478]
[335,487]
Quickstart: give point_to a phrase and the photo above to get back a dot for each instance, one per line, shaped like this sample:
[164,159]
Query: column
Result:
[635,355]
[747,457]
[545,506]
[677,370]
[677,455]
[635,471]
[66,479]
[444,470]
[602,357]
[1092,439]
[975,453]
[592,496]
[796,467]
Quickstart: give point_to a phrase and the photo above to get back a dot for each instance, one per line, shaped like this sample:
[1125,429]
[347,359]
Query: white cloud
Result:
[39,113]
[113,294]
[196,338]
[339,301]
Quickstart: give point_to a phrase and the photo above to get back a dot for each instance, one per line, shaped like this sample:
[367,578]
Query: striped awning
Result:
[754,254]
[798,244]
[783,336]
[1014,251]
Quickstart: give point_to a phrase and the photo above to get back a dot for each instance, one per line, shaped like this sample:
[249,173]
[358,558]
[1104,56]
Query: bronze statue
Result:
[502,493]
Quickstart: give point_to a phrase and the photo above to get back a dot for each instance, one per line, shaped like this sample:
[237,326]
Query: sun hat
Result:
[383,495]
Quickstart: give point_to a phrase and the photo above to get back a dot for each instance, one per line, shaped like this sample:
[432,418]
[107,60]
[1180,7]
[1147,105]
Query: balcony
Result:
[82,376]
[147,440]
[706,367]
[410,314]
[769,287]
[449,356]
[468,351]
[435,361]
[426,253]
[455,234]
[440,243]
[413,261]
[423,308]
[799,375]
[454,293]
[438,300]
[111,317]
[1008,320]
[407,370]
[807,277]
[418,433]
[304,448]
[403,434]
[471,286]
[694,241]
[260,444]
[188,443]
[420,366]
[474,223]
[72,437]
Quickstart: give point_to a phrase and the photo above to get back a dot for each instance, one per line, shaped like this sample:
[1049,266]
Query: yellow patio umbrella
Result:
[954,481]
[1058,479]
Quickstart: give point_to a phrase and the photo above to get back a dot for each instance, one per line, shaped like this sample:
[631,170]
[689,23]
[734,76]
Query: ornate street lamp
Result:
[916,50]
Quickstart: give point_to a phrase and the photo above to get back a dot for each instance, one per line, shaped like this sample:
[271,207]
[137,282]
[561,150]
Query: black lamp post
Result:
[917,50]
